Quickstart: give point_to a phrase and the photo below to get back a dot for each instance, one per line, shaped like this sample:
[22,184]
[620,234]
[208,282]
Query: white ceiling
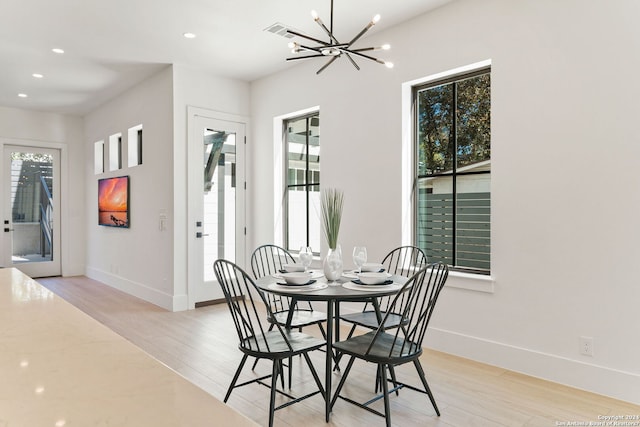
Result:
[112,45]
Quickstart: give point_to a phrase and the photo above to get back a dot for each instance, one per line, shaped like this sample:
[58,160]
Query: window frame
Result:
[416,88]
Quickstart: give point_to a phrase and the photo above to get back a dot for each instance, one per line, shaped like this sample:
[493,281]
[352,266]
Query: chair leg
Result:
[281,370]
[235,377]
[277,364]
[394,380]
[418,366]
[290,366]
[379,379]
[382,371]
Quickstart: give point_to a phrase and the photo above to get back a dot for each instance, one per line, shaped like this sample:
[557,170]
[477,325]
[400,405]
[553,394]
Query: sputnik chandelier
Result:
[332,48]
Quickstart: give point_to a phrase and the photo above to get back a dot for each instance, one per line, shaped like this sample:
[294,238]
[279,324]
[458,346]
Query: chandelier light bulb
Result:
[388,64]
[375,19]
[295,47]
[385,47]
[314,15]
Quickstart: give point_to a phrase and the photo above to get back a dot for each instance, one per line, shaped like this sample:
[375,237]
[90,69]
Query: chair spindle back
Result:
[240,293]
[415,301]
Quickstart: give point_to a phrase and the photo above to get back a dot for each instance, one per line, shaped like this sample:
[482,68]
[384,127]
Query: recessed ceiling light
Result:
[37,75]
[22,95]
[57,50]
[189,35]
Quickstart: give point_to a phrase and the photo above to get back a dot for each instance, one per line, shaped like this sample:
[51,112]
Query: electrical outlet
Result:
[586,346]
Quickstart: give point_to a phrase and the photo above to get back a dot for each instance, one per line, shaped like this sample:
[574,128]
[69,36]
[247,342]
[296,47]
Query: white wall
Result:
[137,260]
[565,156]
[55,130]
[143,260]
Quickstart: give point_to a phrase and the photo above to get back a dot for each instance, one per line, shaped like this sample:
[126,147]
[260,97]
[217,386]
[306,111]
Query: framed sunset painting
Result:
[113,202]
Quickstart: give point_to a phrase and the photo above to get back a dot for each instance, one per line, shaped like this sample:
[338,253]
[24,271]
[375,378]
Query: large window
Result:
[302,148]
[453,156]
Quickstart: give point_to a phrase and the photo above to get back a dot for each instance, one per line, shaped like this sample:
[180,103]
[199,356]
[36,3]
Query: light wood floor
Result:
[201,345]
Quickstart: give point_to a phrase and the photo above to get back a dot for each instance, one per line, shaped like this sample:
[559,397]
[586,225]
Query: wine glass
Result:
[306,257]
[359,257]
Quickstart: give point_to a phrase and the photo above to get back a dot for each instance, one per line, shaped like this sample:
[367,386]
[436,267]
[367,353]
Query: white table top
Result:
[60,367]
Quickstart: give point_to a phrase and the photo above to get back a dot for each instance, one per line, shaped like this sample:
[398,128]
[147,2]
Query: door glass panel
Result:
[32,207]
[219,226]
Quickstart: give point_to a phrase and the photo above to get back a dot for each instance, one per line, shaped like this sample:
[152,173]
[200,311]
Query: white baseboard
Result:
[138,290]
[574,373]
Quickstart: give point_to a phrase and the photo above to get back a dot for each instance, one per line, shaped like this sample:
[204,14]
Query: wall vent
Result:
[279,29]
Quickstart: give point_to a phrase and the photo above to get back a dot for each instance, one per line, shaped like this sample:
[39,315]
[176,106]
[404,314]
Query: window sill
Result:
[470,282]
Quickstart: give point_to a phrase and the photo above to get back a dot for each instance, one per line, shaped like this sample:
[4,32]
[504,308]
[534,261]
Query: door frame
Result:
[64,186]
[194,195]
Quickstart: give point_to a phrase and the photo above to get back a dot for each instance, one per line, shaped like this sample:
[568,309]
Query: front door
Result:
[31,219]
[216,201]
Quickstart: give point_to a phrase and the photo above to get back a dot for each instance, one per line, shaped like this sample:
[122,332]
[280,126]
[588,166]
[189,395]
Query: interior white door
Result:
[216,201]
[31,219]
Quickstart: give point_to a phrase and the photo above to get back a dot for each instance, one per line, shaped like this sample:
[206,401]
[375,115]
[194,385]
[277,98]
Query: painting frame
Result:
[114,202]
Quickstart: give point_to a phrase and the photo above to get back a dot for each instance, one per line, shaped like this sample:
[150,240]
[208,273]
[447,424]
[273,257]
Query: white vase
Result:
[332,264]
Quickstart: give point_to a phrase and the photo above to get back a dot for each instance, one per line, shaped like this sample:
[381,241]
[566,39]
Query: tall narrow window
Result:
[302,148]
[453,138]
[115,152]
[134,141]
[98,157]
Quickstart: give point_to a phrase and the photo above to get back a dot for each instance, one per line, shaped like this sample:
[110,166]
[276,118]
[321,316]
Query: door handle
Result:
[6,230]
[199,235]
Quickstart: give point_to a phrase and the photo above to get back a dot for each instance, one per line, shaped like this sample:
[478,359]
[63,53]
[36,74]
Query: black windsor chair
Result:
[270,259]
[415,303]
[402,261]
[256,340]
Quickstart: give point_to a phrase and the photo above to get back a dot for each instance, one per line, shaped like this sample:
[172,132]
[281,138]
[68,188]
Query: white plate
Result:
[353,274]
[315,274]
[371,288]
[350,274]
[312,287]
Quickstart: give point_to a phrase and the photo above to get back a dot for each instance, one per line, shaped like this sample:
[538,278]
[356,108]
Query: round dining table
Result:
[333,293]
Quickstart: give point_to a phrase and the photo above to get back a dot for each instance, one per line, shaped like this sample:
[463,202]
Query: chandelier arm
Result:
[293,58]
[353,62]
[327,64]
[355,52]
[363,49]
[304,36]
[361,33]
[311,48]
[326,30]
